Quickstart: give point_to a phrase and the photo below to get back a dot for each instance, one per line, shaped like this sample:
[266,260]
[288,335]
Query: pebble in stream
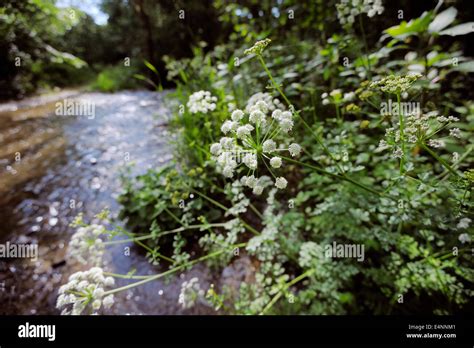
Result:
[69,165]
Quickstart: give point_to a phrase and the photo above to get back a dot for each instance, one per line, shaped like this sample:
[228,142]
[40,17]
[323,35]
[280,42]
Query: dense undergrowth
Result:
[294,152]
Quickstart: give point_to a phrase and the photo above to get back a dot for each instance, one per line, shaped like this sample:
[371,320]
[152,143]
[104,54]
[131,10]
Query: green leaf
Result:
[413,27]
[461,29]
[150,66]
[442,20]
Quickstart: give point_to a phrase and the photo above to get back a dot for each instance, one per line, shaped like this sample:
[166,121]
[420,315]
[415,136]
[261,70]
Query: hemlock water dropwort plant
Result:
[254,139]
[85,291]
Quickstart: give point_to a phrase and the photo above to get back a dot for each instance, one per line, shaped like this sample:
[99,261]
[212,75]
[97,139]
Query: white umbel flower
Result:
[216,149]
[286,124]
[243,131]
[464,238]
[237,115]
[257,190]
[257,117]
[294,149]
[275,162]
[84,290]
[281,183]
[190,293]
[268,146]
[251,181]
[228,126]
[108,301]
[436,143]
[455,132]
[201,101]
[348,10]
[271,103]
[250,160]
[227,143]
[463,223]
[228,171]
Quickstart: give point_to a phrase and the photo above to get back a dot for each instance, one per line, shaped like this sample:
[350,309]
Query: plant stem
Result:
[338,114]
[250,228]
[173,270]
[318,140]
[176,230]
[342,177]
[455,165]
[217,204]
[402,134]
[126,276]
[147,248]
[255,210]
[439,159]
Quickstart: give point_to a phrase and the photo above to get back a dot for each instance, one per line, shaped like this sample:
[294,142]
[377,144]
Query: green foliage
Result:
[398,184]
[30,54]
[114,78]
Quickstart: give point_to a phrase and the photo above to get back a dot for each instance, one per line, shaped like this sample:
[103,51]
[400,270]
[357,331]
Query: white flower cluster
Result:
[336,97]
[464,238]
[395,84]
[258,47]
[85,290]
[250,136]
[347,10]
[201,101]
[272,103]
[86,246]
[464,223]
[190,293]
[417,127]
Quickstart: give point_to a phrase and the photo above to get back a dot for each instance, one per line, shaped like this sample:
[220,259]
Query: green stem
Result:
[255,210]
[176,230]
[126,276]
[439,159]
[338,113]
[173,270]
[147,248]
[455,165]
[287,101]
[175,218]
[217,204]
[342,177]
[402,134]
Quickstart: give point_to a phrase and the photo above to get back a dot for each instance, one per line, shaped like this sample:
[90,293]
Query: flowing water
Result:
[54,167]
